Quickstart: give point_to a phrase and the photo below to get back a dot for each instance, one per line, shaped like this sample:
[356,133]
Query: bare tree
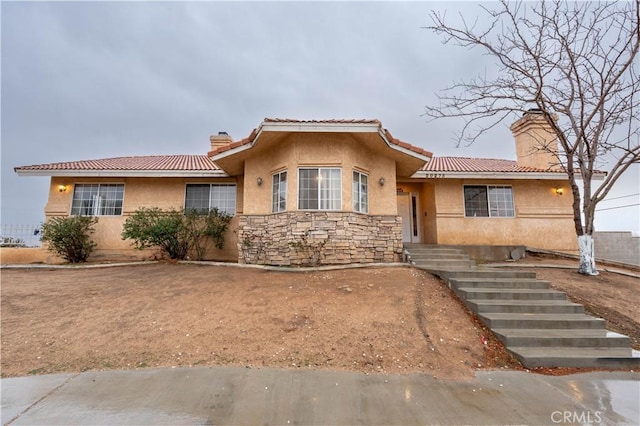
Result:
[574,61]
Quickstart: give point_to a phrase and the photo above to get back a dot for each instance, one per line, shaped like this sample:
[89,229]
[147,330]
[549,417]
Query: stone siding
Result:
[319,238]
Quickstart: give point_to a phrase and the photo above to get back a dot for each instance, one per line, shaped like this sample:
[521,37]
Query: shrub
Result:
[69,237]
[216,225]
[153,227]
[176,233]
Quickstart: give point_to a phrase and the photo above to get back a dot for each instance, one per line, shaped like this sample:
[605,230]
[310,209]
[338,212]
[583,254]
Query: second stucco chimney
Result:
[220,140]
[536,143]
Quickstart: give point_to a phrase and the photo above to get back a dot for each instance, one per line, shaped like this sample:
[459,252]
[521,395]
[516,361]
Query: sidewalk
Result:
[235,395]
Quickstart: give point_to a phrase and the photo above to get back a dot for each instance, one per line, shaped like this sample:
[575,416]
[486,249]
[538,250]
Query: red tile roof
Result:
[408,146]
[487,165]
[377,122]
[151,162]
[204,163]
[235,144]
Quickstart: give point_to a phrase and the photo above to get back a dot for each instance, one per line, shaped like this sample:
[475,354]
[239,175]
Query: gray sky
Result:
[94,80]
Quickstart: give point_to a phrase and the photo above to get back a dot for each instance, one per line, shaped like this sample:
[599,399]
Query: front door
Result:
[407,206]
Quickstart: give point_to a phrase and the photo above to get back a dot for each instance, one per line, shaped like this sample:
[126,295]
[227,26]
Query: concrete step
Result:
[472,293]
[499,283]
[441,253]
[541,321]
[445,263]
[525,306]
[485,273]
[561,338]
[421,248]
[429,256]
[533,357]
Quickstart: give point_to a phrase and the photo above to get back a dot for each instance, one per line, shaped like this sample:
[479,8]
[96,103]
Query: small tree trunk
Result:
[587,255]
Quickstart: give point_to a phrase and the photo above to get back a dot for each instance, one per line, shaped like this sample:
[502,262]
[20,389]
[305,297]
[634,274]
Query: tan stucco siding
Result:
[319,150]
[542,218]
[165,193]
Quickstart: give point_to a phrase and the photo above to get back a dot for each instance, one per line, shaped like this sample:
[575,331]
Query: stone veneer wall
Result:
[319,238]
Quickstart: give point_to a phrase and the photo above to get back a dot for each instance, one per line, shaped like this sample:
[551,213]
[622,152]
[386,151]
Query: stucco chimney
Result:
[536,143]
[220,140]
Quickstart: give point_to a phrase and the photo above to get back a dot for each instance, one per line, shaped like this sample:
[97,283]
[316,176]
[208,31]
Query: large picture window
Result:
[97,199]
[488,201]
[279,192]
[360,192]
[319,188]
[205,197]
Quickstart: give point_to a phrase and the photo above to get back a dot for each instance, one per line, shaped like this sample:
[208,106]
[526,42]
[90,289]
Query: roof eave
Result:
[229,152]
[297,128]
[314,127]
[402,149]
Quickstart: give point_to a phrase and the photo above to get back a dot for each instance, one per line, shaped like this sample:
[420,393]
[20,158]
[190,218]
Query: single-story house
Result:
[344,191]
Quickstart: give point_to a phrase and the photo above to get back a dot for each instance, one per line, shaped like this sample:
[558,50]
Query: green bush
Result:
[69,237]
[153,227]
[176,233]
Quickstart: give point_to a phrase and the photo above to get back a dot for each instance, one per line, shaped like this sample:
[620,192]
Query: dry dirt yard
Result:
[158,315]
[371,320]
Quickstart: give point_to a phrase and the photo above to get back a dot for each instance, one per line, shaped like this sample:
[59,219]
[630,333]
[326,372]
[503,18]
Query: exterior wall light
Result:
[559,191]
[259,181]
[62,188]
[381,181]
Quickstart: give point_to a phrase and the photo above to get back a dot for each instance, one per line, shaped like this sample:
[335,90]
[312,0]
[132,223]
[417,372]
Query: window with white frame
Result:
[488,201]
[360,192]
[98,199]
[205,197]
[320,188]
[279,192]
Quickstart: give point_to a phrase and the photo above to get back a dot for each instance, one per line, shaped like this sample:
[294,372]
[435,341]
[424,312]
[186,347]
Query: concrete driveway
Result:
[235,395]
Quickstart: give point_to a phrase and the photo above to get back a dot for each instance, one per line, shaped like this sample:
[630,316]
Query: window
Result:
[97,199]
[488,201]
[320,189]
[279,192]
[360,191]
[205,197]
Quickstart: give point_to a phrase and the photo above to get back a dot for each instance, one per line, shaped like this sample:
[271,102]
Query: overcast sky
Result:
[95,80]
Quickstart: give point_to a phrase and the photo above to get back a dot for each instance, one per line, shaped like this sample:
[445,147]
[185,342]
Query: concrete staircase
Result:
[537,324]
[437,257]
